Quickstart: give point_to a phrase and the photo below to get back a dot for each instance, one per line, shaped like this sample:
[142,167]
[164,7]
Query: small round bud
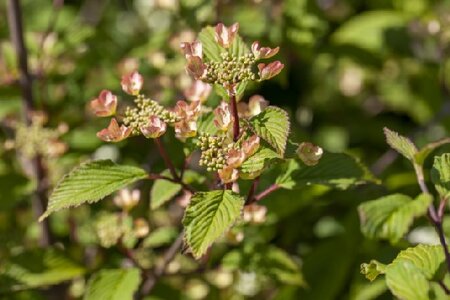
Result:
[309,153]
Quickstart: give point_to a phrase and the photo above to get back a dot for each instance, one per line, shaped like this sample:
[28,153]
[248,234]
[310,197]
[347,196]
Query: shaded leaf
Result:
[440,174]
[390,217]
[114,284]
[37,268]
[91,182]
[428,149]
[208,216]
[160,237]
[334,169]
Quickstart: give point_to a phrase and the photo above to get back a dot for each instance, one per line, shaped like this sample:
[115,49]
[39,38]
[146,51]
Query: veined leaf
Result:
[37,268]
[409,274]
[334,169]
[259,160]
[91,182]
[401,144]
[272,125]
[390,217]
[429,148]
[407,282]
[208,216]
[440,174]
[212,50]
[116,284]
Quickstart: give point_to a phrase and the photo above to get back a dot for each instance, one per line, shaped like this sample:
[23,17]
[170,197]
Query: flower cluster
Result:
[36,140]
[231,68]
[148,117]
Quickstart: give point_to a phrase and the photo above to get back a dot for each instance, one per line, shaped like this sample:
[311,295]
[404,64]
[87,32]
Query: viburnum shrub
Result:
[237,153]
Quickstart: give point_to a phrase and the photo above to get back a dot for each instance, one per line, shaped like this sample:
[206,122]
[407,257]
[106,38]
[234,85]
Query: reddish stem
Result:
[166,159]
[234,112]
[266,192]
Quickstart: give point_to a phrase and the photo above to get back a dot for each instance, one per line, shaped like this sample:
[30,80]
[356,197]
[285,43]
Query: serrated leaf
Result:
[334,169]
[212,50]
[272,125]
[401,144]
[373,269]
[206,124]
[406,281]
[91,182]
[390,217]
[37,268]
[208,216]
[440,174]
[428,149]
[430,259]
[116,284]
[259,160]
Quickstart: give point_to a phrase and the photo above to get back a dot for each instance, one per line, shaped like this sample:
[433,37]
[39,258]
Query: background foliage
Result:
[352,67]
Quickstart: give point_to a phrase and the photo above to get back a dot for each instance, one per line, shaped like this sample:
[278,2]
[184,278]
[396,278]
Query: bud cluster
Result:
[231,70]
[213,155]
[138,117]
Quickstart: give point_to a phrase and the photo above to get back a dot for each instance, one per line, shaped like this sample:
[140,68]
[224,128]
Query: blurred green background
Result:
[351,68]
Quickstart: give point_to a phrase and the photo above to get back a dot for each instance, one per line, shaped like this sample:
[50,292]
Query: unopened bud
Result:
[228,174]
[235,158]
[251,145]
[127,199]
[263,52]
[222,116]
[309,153]
[255,214]
[141,228]
[192,49]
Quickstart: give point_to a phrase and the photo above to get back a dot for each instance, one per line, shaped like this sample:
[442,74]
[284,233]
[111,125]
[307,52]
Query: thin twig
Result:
[166,159]
[266,192]
[159,270]
[234,112]
[435,217]
[40,195]
[251,193]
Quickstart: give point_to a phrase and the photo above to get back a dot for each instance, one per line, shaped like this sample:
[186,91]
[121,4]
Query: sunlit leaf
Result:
[113,284]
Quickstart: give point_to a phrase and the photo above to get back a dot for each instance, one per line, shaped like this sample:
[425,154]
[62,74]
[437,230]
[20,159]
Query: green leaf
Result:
[37,268]
[429,148]
[367,30]
[430,259]
[440,174]
[285,178]
[409,274]
[373,269]
[334,169]
[401,144]
[407,282]
[208,216]
[206,123]
[91,182]
[266,261]
[272,125]
[211,49]
[258,161]
[160,237]
[115,284]
[391,217]
[162,191]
